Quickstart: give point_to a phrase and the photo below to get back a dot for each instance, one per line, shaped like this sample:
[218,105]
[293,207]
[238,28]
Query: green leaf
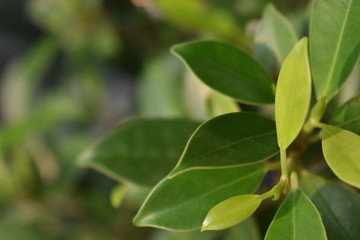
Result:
[338,206]
[231,212]
[334,43]
[141,151]
[228,70]
[297,218]
[218,104]
[247,229]
[293,94]
[229,140]
[117,195]
[182,202]
[342,153]
[274,38]
[348,116]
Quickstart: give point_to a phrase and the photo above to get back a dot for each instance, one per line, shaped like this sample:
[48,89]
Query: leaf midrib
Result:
[337,50]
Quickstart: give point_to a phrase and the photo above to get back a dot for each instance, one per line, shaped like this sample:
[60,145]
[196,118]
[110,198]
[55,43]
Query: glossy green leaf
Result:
[293,94]
[334,43]
[274,38]
[296,219]
[218,104]
[182,202]
[342,153]
[231,212]
[228,70]
[229,140]
[140,151]
[339,207]
[348,116]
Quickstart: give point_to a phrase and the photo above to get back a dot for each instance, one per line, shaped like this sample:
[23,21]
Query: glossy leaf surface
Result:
[229,140]
[338,206]
[140,151]
[231,212]
[296,219]
[342,153]
[293,94]
[182,202]
[274,38]
[228,70]
[348,116]
[334,43]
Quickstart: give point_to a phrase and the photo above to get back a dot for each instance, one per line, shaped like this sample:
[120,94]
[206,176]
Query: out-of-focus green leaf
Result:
[228,70]
[334,43]
[117,195]
[293,94]
[218,104]
[274,39]
[213,20]
[182,202]
[297,218]
[231,212]
[339,207]
[348,116]
[229,140]
[140,151]
[196,235]
[246,230]
[342,153]
[158,93]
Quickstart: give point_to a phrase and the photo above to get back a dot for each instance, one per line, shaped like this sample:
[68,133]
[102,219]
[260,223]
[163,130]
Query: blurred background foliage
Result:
[70,71]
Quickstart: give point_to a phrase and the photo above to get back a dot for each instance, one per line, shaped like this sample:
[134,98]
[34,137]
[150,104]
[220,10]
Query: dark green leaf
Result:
[141,151]
[348,116]
[182,202]
[342,153]
[229,140]
[338,206]
[296,219]
[293,93]
[231,212]
[334,43]
[227,70]
[274,38]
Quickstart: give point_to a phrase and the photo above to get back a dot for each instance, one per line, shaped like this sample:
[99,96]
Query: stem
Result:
[272,166]
[294,181]
[284,170]
[267,195]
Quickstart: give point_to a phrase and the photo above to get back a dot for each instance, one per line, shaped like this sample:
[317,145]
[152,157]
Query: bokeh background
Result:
[70,70]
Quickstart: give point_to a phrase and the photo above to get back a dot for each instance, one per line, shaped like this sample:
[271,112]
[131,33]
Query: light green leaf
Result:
[231,212]
[297,218]
[274,39]
[218,104]
[228,70]
[293,94]
[182,202]
[141,151]
[229,140]
[117,195]
[334,43]
[342,153]
[348,116]
[338,206]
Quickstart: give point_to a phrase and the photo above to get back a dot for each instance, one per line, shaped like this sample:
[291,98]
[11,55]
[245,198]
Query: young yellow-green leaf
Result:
[231,212]
[342,153]
[274,38]
[228,70]
[117,195]
[296,219]
[338,206]
[293,94]
[182,202]
[229,140]
[334,43]
[348,116]
[141,151]
[218,104]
